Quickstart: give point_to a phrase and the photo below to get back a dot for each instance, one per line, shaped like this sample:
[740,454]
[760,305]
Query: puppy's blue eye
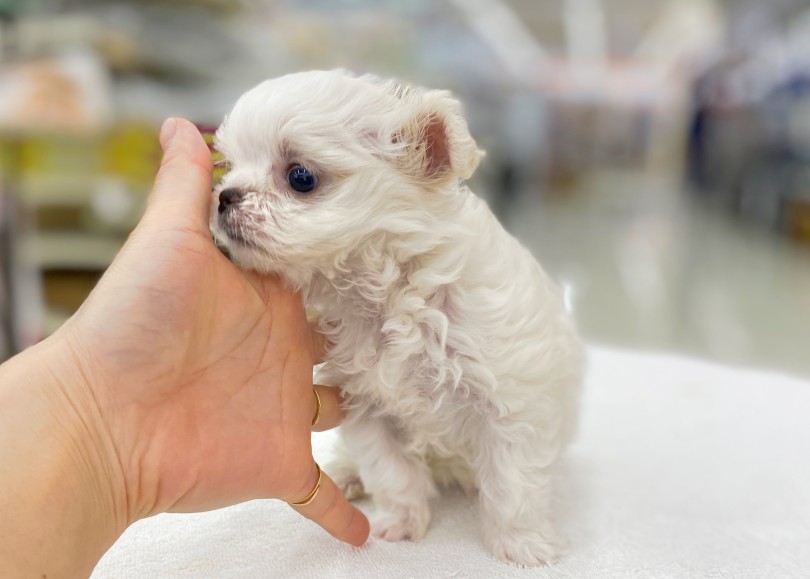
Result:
[301,179]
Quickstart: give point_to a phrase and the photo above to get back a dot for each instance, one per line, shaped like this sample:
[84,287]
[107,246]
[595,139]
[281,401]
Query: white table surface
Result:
[682,469]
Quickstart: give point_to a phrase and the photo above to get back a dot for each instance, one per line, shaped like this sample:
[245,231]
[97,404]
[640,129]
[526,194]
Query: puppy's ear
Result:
[437,146]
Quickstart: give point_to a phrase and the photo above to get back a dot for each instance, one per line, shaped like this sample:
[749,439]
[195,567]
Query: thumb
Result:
[182,191]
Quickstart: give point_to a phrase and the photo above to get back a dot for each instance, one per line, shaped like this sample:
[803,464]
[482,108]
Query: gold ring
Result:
[312,494]
[317,407]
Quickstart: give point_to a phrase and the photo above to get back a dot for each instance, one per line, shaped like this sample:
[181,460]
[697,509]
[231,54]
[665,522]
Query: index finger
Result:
[330,509]
[330,412]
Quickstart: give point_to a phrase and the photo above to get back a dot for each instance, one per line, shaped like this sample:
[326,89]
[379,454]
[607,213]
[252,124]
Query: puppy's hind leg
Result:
[514,475]
[400,483]
[343,471]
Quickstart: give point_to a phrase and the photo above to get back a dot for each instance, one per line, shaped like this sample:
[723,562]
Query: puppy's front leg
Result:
[400,483]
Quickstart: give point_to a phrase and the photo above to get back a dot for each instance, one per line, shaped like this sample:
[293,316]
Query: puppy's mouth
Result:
[239,239]
[233,224]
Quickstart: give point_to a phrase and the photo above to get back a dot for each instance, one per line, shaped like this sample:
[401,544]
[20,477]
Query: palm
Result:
[208,341]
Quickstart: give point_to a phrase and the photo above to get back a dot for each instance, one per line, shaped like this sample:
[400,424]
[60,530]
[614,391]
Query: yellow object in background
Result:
[220,168]
[133,152]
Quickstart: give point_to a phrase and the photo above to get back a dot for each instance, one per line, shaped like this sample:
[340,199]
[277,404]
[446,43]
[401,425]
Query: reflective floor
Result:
[647,266]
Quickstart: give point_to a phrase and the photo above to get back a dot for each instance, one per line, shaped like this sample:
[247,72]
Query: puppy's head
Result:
[323,162]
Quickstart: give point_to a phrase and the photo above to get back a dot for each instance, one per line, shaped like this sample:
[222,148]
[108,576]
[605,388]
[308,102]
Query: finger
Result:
[182,189]
[331,413]
[334,513]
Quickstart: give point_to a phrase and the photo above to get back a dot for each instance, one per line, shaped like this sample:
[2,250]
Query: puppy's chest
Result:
[410,391]
[415,380]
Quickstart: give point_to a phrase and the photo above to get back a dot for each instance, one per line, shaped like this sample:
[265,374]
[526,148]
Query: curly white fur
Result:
[454,350]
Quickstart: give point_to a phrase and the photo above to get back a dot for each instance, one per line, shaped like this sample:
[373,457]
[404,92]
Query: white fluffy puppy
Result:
[453,348]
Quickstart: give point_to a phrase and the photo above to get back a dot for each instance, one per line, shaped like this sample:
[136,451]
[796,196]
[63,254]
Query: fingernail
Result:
[167,132]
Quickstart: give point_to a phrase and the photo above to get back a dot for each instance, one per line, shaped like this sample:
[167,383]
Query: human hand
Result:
[204,371]
[190,379]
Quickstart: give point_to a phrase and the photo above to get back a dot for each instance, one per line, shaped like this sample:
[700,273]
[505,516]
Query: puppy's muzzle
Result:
[229,198]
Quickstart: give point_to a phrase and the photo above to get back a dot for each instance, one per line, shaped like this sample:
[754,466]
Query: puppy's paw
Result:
[524,547]
[401,524]
[344,473]
[350,485]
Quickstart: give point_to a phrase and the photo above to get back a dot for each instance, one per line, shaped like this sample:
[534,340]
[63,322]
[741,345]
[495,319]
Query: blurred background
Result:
[653,154]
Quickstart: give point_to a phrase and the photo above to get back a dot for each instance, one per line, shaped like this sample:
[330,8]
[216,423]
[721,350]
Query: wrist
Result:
[61,492]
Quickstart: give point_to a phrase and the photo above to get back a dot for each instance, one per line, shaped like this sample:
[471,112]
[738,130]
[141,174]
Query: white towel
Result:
[681,469]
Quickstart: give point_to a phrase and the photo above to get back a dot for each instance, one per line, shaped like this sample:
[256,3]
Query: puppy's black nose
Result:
[229,197]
